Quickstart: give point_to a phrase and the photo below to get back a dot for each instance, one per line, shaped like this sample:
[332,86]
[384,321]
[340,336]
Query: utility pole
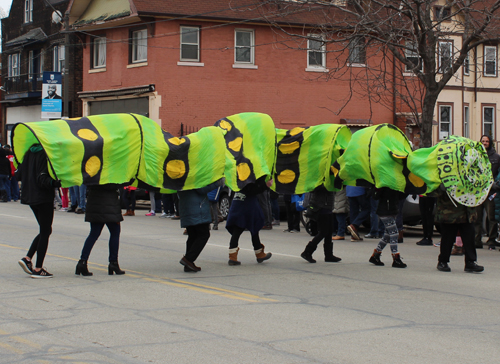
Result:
[66,66]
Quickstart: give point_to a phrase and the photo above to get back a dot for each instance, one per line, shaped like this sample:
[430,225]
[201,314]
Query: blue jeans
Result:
[74,195]
[339,222]
[14,188]
[359,209]
[82,202]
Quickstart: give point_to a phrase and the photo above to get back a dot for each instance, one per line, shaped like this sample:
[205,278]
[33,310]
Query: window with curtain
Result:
[244,46]
[139,48]
[445,54]
[99,52]
[316,52]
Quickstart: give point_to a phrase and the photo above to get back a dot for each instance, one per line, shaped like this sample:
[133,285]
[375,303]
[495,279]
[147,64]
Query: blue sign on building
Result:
[51,95]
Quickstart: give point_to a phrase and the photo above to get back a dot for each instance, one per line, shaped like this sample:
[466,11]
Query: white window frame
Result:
[99,52]
[28,11]
[313,48]
[14,62]
[250,47]
[354,45]
[32,72]
[411,51]
[184,43]
[139,46]
[466,131]
[444,134]
[489,58]
[58,54]
[466,65]
[442,44]
[491,123]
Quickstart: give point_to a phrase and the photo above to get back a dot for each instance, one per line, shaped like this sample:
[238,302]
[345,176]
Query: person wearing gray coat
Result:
[340,211]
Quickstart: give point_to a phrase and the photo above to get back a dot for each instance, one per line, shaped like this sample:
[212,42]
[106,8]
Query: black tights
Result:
[44,214]
[235,237]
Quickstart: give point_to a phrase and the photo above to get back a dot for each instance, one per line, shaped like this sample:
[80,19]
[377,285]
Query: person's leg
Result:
[152,201]
[44,214]
[467,234]
[83,197]
[132,200]
[353,208]
[114,240]
[275,208]
[235,236]
[478,226]
[3,187]
[341,219]
[493,225]
[64,197]
[7,188]
[95,232]
[374,220]
[74,199]
[448,237]
[14,187]
[296,220]
[265,205]
[214,211]
[201,234]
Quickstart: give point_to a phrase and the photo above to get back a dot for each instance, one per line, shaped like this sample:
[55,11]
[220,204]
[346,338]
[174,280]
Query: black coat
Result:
[4,163]
[388,201]
[103,204]
[37,186]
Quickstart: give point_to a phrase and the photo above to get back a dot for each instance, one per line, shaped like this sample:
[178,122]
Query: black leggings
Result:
[44,214]
[235,237]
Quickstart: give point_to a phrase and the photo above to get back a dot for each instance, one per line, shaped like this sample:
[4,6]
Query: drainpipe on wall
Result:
[66,66]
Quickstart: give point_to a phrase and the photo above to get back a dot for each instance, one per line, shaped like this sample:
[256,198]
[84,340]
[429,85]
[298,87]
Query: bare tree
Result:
[408,61]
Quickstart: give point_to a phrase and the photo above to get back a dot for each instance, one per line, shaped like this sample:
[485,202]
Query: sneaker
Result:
[424,241]
[176,217]
[276,223]
[443,267]
[354,233]
[287,230]
[79,211]
[267,227]
[437,244]
[151,213]
[473,267]
[164,215]
[371,236]
[294,231]
[63,209]
[42,273]
[26,265]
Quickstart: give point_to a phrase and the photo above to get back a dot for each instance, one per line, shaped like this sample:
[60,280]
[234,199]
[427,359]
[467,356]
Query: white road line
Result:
[18,217]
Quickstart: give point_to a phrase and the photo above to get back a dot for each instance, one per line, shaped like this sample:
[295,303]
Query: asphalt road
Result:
[284,310]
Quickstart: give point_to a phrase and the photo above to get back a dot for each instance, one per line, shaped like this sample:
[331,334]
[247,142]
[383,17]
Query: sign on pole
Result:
[51,95]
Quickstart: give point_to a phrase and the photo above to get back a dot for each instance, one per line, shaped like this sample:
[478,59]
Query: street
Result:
[284,310]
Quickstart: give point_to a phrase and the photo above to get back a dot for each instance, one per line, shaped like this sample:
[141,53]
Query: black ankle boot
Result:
[113,267]
[82,268]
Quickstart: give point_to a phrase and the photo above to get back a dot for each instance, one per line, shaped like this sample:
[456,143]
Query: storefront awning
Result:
[136,90]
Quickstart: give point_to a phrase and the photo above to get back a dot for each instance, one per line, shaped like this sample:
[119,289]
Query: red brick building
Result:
[193,62]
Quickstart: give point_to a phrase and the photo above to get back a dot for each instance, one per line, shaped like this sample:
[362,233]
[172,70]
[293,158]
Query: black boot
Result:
[308,252]
[329,257]
[113,267]
[397,262]
[82,268]
[375,258]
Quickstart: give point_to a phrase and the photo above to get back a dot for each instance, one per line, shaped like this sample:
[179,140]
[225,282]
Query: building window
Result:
[357,51]
[28,11]
[411,53]
[139,47]
[442,13]
[98,52]
[58,59]
[489,121]
[445,52]
[244,46]
[466,65]
[13,66]
[35,64]
[490,60]
[466,121]
[190,44]
[316,56]
[445,120]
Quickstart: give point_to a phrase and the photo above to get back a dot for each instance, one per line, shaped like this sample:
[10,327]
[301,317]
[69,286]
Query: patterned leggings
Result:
[390,235]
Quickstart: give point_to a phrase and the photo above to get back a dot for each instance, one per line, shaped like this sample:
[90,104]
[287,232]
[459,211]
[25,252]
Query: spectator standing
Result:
[64,199]
[275,207]
[37,191]
[14,183]
[340,210]
[359,207]
[152,200]
[292,215]
[195,217]
[103,208]
[5,176]
[488,205]
[168,205]
[82,199]
[74,195]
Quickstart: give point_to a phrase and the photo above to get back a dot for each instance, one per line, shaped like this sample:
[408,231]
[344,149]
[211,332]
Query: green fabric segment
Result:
[460,164]
[304,157]
[372,158]
[250,148]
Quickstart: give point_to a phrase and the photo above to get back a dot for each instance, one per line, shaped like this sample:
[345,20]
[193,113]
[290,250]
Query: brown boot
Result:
[128,213]
[233,257]
[457,250]
[261,256]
